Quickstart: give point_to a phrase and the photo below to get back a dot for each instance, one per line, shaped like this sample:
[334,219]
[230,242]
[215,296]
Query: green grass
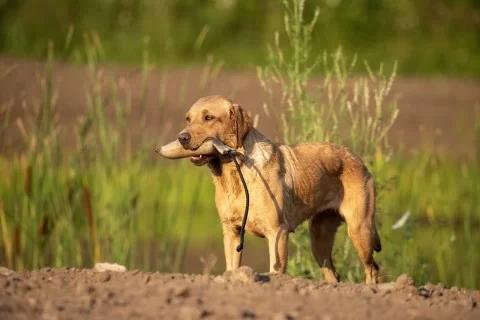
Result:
[96,202]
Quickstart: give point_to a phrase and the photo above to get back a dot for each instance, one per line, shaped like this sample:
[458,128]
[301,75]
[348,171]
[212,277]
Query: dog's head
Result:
[214,117]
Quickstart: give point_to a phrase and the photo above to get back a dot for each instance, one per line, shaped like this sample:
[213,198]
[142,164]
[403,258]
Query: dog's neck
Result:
[251,141]
[251,148]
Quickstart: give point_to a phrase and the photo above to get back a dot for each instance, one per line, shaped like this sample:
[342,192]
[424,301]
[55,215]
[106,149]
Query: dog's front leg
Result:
[231,239]
[278,250]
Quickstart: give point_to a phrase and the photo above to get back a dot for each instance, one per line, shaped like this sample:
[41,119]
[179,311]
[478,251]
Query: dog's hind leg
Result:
[323,227]
[278,250]
[359,213]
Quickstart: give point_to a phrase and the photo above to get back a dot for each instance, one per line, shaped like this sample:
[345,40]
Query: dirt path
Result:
[61,293]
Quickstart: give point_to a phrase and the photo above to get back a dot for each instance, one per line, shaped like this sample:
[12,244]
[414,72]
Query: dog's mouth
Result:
[201,159]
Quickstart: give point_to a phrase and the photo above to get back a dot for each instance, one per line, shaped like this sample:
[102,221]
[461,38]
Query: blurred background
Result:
[88,88]
[426,37]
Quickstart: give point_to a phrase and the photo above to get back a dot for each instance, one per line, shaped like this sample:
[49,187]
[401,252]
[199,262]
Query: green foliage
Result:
[102,201]
[438,241]
[421,35]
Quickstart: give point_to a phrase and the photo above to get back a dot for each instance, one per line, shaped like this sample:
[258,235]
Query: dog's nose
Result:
[184,137]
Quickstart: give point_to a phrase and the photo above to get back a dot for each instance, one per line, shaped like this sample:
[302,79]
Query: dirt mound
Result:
[70,293]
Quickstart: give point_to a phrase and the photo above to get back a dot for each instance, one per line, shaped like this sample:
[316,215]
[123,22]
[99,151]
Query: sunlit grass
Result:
[103,200]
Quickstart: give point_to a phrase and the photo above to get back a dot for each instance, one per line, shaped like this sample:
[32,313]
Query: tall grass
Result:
[102,201]
[359,113]
[437,242]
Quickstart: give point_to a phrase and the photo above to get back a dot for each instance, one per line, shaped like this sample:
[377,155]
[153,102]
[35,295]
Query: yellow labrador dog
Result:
[323,183]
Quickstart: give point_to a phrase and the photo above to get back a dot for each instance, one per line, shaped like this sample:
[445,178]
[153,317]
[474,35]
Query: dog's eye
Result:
[188,119]
[208,117]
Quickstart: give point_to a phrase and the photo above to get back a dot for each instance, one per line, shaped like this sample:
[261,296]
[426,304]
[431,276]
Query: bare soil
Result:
[70,293]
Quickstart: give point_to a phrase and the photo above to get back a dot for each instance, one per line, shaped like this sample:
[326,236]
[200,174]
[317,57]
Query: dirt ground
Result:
[65,293]
[437,111]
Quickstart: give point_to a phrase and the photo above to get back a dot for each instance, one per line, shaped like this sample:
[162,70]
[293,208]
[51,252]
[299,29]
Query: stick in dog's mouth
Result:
[210,147]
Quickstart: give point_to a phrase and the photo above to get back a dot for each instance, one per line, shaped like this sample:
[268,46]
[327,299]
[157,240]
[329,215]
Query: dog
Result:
[324,183]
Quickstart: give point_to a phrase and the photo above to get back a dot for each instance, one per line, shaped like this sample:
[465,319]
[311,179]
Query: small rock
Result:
[6,272]
[244,274]
[100,267]
[403,281]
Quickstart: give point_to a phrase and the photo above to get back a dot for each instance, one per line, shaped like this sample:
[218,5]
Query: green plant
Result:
[103,200]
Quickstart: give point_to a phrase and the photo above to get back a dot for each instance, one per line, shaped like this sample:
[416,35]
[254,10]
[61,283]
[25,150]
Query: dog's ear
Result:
[241,124]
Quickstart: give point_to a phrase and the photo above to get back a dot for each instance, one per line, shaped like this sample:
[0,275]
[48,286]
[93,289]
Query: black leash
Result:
[247,201]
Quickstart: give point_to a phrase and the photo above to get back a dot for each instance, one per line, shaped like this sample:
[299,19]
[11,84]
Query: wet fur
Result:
[323,183]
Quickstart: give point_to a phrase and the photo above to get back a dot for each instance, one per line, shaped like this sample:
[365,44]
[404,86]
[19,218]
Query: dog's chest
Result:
[232,214]
[265,200]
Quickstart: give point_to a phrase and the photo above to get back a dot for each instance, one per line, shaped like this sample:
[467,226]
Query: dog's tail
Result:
[372,210]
